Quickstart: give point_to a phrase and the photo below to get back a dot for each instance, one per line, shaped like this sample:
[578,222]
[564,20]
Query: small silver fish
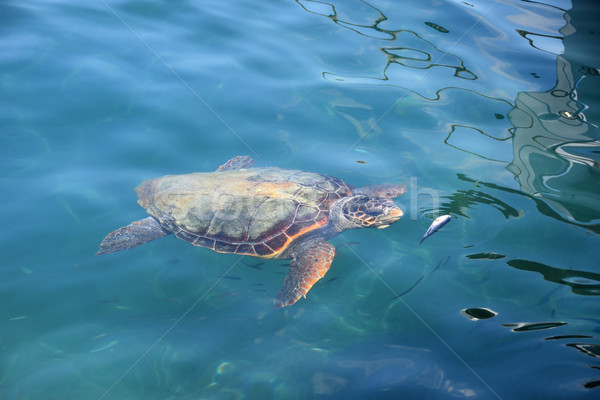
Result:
[436,225]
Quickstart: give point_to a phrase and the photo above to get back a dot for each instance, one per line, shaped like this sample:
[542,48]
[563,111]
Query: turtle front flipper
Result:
[308,266]
[132,235]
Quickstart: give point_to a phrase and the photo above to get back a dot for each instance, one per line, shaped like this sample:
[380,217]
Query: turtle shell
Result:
[255,211]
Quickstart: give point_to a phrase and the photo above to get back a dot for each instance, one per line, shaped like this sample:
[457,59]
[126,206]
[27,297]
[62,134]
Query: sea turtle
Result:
[261,212]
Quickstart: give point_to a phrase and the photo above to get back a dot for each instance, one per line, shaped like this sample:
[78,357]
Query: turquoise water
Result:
[486,110]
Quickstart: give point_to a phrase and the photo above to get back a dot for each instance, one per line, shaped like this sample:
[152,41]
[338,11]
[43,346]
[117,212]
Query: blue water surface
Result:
[486,110]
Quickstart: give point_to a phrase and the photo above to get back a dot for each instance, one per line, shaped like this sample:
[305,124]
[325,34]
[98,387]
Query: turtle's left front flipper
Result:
[310,264]
[132,235]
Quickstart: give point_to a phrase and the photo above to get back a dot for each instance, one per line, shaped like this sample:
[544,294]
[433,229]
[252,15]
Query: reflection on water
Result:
[478,313]
[437,27]
[592,350]
[560,337]
[461,133]
[589,349]
[541,204]
[533,326]
[485,256]
[580,282]
[415,53]
[462,200]
[328,10]
[556,149]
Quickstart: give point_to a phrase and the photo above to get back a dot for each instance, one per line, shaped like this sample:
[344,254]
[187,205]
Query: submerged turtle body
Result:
[261,212]
[257,211]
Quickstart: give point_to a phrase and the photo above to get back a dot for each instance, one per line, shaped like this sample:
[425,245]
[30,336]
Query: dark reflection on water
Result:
[580,282]
[533,326]
[531,38]
[460,201]
[455,127]
[363,30]
[485,256]
[477,313]
[417,53]
[592,384]
[541,205]
[560,337]
[421,59]
[589,349]
[592,350]
[437,27]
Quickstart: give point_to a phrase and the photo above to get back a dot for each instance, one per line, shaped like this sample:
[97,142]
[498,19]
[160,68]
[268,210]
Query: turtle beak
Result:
[394,215]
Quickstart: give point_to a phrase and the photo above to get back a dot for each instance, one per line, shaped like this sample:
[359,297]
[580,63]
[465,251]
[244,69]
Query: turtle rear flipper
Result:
[238,162]
[310,265]
[132,235]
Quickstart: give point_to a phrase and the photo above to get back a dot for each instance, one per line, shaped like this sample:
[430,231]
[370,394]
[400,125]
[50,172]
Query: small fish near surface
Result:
[436,225]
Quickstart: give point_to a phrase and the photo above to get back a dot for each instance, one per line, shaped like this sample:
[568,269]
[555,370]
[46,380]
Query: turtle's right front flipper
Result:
[132,235]
[309,265]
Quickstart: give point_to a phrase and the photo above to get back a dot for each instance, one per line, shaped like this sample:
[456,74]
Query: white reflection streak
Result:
[411,89]
[144,354]
[458,357]
[179,78]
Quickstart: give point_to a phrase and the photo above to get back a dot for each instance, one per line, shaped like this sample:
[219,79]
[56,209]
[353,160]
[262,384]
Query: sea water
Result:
[486,110]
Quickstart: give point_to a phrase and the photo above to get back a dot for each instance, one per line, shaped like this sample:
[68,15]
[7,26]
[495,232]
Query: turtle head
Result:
[377,212]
